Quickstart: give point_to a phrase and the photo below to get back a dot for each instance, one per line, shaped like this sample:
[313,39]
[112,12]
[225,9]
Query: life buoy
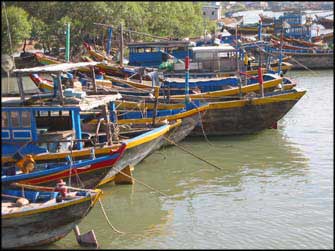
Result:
[26,164]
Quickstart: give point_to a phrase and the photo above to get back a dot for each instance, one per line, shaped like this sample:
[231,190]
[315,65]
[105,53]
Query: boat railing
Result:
[310,51]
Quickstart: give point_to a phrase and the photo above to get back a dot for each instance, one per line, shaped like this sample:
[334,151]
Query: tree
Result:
[163,19]
[19,26]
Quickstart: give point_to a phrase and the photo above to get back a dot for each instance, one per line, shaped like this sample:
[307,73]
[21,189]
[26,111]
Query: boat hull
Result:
[179,133]
[85,176]
[311,60]
[44,227]
[132,156]
[245,116]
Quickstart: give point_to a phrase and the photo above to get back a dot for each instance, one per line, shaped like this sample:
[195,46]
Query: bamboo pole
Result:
[33,187]
[121,45]
[20,85]
[94,80]
[67,46]
[156,93]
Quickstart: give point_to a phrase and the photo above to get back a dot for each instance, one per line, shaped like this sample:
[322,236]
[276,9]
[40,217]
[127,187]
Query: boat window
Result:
[4,119]
[15,119]
[44,113]
[55,113]
[65,113]
[222,55]
[25,119]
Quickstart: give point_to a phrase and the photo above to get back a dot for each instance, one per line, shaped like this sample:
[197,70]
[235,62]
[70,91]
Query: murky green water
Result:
[275,189]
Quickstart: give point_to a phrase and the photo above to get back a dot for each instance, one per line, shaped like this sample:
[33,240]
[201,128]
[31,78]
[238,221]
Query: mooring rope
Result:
[154,189]
[108,221]
[202,126]
[291,58]
[194,155]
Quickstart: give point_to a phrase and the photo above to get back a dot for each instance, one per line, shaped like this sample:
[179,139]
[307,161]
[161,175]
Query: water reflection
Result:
[146,216]
[263,155]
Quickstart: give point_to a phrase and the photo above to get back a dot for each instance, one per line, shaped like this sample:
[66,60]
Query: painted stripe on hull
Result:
[252,117]
[44,226]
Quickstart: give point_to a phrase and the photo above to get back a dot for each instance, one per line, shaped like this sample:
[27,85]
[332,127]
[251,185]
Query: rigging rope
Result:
[291,58]
[9,36]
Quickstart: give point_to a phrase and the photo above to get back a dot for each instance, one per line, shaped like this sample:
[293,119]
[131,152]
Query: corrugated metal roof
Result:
[224,47]
[159,44]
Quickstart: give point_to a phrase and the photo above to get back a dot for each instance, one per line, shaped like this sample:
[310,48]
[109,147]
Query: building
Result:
[212,11]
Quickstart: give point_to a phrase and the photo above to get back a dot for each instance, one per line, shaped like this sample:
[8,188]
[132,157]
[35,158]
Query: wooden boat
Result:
[46,60]
[47,128]
[312,59]
[46,218]
[328,37]
[174,86]
[250,29]
[86,173]
[139,139]
[294,41]
[271,82]
[239,116]
[232,93]
[248,115]
[97,55]
[328,23]
[105,67]
[135,152]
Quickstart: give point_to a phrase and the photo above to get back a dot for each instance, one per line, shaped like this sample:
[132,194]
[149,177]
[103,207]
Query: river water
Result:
[275,190]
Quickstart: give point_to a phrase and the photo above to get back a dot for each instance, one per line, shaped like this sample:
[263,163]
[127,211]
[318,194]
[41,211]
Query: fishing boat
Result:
[51,130]
[248,115]
[307,58]
[249,29]
[86,173]
[31,218]
[268,85]
[176,86]
[108,68]
[270,82]
[46,124]
[243,115]
[304,54]
[328,23]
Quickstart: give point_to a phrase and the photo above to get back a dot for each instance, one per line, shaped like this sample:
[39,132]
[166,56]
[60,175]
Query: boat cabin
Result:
[42,122]
[292,25]
[214,58]
[152,54]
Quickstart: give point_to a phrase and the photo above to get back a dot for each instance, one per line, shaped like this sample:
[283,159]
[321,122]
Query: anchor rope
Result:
[108,221]
[184,149]
[142,183]
[202,126]
[291,58]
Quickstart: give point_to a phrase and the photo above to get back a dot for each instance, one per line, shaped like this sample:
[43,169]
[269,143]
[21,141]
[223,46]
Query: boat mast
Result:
[237,64]
[67,46]
[121,45]
[109,40]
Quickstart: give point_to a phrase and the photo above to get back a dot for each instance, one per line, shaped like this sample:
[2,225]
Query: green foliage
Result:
[20,28]
[165,19]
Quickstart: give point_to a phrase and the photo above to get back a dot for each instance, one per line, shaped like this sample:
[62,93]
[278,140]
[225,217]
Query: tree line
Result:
[45,22]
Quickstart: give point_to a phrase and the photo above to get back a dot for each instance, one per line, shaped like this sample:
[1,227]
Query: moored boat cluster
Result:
[91,122]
